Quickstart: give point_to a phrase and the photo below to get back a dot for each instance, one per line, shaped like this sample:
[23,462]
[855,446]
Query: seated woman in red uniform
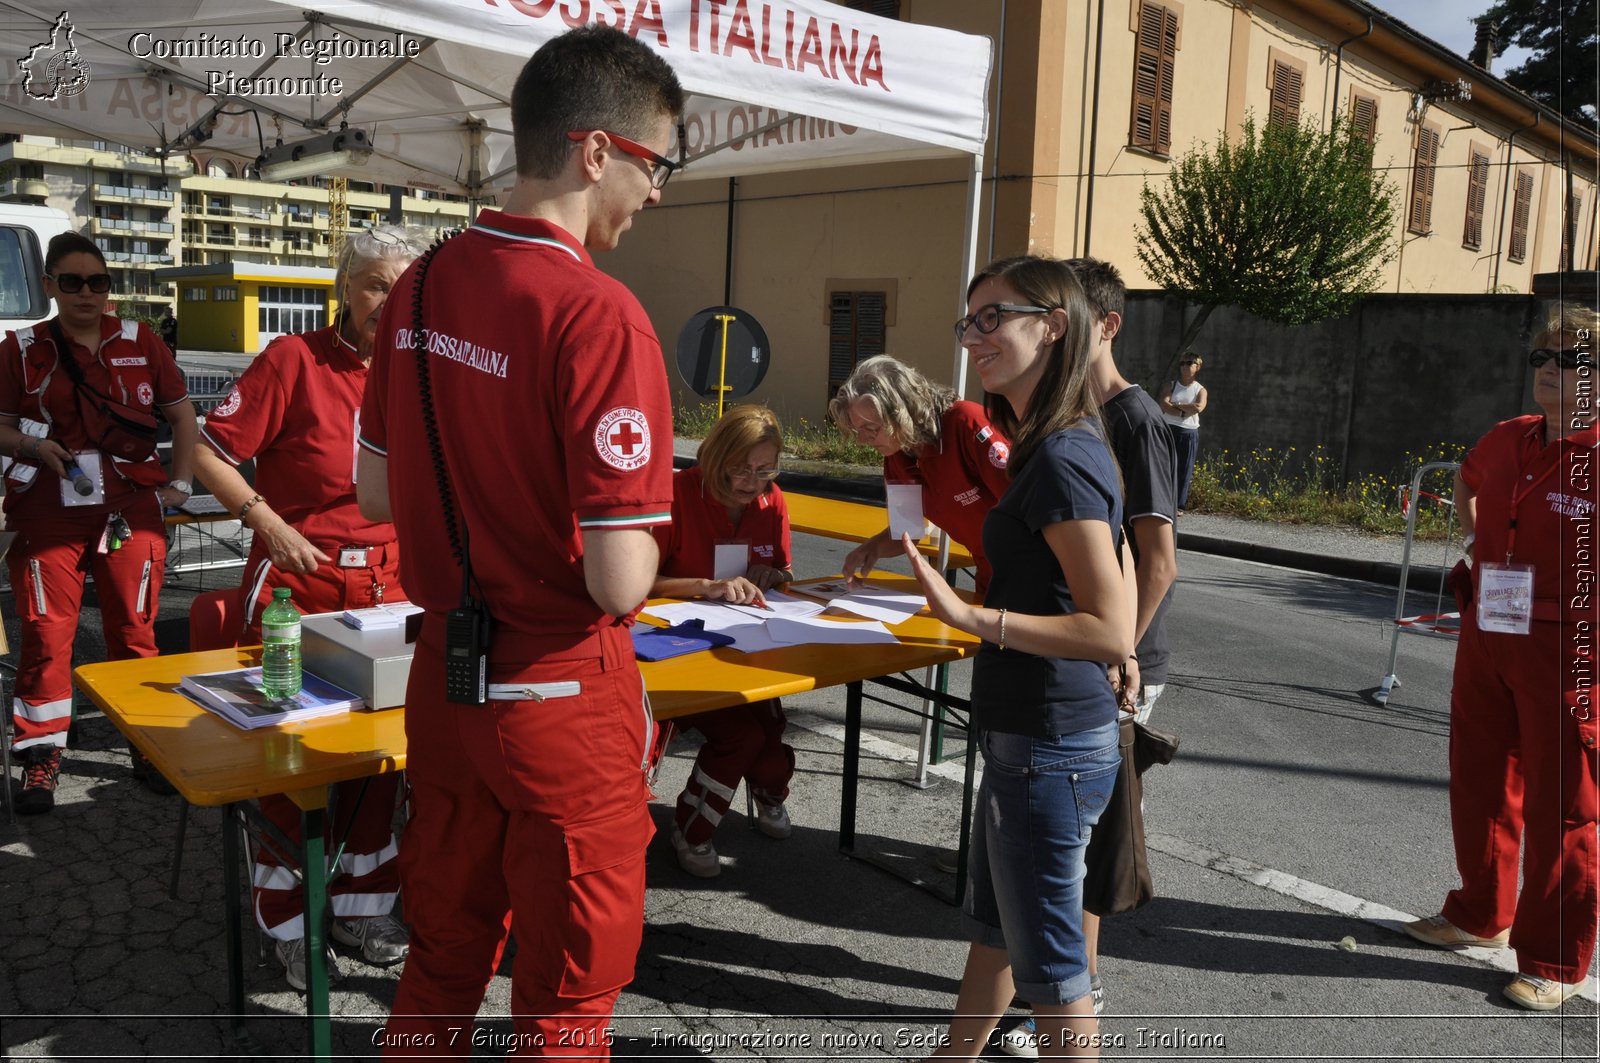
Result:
[927,436]
[76,506]
[729,498]
[1523,730]
[296,411]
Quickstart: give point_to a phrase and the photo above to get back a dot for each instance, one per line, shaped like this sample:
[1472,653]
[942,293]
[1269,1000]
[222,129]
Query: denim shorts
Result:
[1039,799]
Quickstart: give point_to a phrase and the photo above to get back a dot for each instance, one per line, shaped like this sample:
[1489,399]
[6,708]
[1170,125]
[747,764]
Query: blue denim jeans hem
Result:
[1039,800]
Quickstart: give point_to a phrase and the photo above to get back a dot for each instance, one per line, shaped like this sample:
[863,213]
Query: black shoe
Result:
[41,768]
[146,773]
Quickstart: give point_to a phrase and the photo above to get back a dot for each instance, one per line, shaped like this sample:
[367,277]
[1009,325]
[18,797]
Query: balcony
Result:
[123,192]
[138,258]
[126,225]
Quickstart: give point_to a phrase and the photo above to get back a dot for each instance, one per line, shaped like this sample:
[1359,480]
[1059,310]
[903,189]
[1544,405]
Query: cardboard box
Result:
[374,664]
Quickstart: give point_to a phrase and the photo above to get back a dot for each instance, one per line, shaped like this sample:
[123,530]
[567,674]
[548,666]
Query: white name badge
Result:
[905,510]
[89,462]
[1505,597]
[730,560]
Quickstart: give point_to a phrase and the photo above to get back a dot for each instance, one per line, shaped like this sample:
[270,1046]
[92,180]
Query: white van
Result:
[25,230]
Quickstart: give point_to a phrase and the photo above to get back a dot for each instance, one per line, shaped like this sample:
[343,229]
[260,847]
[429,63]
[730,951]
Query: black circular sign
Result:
[700,353]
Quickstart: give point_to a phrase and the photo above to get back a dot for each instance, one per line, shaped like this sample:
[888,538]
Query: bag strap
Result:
[65,359]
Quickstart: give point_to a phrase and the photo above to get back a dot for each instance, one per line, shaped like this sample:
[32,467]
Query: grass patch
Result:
[802,439]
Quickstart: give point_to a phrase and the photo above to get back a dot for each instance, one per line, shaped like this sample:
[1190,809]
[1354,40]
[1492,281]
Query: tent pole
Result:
[969,266]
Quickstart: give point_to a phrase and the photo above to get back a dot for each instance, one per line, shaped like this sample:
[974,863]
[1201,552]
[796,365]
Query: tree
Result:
[1289,222]
[1564,70]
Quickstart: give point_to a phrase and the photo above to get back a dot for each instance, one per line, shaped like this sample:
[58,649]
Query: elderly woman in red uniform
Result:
[74,499]
[926,436]
[730,499]
[1522,711]
[296,411]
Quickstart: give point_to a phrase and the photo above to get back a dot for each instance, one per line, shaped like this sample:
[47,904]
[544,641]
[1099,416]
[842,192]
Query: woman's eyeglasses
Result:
[1571,358]
[391,239]
[72,283]
[741,473]
[659,167]
[987,319]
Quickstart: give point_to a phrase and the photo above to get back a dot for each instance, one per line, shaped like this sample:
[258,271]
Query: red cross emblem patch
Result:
[622,438]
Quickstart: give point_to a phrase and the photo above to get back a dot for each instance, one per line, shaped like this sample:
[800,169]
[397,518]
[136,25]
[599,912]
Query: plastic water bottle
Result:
[280,646]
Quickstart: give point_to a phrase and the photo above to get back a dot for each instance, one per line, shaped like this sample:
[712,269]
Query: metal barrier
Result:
[1438,623]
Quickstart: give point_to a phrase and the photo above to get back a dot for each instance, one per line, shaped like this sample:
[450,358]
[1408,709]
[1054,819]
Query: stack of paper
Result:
[237,696]
[380,617]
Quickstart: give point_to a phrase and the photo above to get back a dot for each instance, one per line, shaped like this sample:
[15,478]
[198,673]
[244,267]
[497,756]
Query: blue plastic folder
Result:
[660,643]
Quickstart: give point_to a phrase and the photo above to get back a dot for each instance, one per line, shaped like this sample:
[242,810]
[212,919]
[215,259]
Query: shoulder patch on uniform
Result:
[999,453]
[230,405]
[146,393]
[622,438]
[984,433]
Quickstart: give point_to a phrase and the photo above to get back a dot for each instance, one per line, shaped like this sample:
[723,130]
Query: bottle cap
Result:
[281,594]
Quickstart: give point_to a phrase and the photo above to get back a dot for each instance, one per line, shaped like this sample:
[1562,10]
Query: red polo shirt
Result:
[700,522]
[962,473]
[296,411]
[553,412]
[1551,491]
[131,365]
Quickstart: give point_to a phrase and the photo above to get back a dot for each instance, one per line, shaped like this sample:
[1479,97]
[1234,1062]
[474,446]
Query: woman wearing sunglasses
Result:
[1522,705]
[76,507]
[729,505]
[1057,611]
[295,412]
[926,436]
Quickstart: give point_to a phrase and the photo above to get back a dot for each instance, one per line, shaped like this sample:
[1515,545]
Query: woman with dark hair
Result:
[78,507]
[295,412]
[926,436]
[730,499]
[1058,610]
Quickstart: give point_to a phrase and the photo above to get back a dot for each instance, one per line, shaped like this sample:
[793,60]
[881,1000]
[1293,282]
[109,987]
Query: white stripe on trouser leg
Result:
[649,730]
[45,712]
[362,905]
[38,588]
[357,864]
[697,801]
[278,879]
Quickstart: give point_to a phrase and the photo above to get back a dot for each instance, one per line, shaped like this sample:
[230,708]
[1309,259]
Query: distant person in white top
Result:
[1181,404]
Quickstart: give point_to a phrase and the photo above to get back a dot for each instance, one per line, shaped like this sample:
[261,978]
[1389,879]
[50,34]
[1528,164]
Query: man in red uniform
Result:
[551,464]
[1522,715]
[295,412]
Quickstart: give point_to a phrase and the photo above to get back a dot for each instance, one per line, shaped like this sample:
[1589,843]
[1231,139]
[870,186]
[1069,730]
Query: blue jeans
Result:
[1039,800]
[1188,444]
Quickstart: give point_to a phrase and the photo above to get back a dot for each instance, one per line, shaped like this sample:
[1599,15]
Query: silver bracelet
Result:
[1002,643]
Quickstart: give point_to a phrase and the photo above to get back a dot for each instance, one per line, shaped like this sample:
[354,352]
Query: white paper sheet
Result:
[905,510]
[89,462]
[729,560]
[819,630]
[874,603]
[779,604]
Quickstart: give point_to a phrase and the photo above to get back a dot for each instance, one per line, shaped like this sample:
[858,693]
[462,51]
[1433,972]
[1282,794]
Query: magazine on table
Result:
[237,696]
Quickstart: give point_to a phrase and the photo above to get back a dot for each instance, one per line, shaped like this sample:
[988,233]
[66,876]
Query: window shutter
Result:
[1574,207]
[1519,217]
[1477,189]
[1365,117]
[1421,218]
[1154,64]
[1284,108]
[856,331]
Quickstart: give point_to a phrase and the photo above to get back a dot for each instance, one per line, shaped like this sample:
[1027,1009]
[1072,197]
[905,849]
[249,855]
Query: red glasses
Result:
[659,167]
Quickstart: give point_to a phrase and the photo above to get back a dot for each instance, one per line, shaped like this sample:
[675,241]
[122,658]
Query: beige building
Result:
[838,264]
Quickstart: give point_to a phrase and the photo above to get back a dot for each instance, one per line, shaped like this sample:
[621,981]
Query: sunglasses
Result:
[659,167]
[1571,358]
[987,319]
[72,283]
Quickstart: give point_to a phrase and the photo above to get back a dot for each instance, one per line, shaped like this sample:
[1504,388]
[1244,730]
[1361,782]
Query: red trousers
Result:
[532,814]
[1522,776]
[48,562]
[742,743]
[367,878]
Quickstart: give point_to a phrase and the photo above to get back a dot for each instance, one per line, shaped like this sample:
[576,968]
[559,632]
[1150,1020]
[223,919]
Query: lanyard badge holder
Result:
[468,628]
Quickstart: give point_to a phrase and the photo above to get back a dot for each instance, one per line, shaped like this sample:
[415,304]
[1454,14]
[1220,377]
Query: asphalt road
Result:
[1297,814]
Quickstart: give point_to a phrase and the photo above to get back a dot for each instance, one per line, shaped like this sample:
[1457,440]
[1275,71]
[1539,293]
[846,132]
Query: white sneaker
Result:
[773,820]
[699,860]
[383,939]
[1022,1040]
[292,954]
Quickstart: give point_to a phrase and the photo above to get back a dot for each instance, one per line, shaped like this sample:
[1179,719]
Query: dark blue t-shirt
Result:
[1069,477]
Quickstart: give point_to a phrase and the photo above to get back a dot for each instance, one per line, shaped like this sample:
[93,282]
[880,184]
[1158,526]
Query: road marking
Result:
[1318,896]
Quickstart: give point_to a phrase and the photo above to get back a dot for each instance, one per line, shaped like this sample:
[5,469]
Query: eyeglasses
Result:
[659,167]
[737,473]
[389,238]
[72,283]
[1571,358]
[987,319]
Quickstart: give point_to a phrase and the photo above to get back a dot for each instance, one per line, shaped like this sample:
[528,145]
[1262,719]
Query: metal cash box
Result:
[374,664]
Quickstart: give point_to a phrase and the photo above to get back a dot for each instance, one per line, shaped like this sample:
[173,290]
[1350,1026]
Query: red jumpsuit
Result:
[57,544]
[555,419]
[296,411]
[1522,709]
[963,475]
[744,742]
